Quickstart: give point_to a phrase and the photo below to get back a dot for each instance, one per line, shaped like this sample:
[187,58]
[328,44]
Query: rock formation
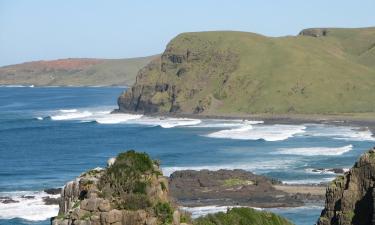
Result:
[350,198]
[230,187]
[130,191]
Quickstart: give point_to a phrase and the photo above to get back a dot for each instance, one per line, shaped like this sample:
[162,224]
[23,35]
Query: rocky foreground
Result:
[133,191]
[238,187]
[350,199]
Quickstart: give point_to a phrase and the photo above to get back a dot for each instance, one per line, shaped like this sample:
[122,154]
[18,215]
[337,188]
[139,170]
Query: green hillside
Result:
[74,72]
[323,70]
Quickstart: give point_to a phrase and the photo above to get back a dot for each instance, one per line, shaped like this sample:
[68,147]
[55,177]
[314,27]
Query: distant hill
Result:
[74,71]
[319,71]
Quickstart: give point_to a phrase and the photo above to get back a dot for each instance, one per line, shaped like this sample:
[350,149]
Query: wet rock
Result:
[7,200]
[27,196]
[53,191]
[51,201]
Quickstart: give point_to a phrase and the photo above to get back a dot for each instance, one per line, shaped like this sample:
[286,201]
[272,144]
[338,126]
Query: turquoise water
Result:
[48,136]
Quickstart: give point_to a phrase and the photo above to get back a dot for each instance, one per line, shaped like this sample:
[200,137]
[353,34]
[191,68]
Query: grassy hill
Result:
[75,72]
[319,71]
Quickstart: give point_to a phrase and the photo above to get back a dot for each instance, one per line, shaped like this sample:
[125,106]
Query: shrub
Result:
[126,180]
[164,211]
[242,216]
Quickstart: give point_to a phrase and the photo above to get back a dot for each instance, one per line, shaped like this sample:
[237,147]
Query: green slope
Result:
[75,72]
[211,73]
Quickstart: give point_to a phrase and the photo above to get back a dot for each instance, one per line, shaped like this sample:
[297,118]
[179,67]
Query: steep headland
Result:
[350,198]
[320,71]
[133,191]
[74,72]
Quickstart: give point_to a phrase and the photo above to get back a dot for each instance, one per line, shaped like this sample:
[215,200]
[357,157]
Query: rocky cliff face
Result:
[350,198]
[130,191]
[239,73]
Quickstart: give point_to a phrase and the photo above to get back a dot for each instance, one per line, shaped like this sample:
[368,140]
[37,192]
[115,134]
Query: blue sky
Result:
[51,29]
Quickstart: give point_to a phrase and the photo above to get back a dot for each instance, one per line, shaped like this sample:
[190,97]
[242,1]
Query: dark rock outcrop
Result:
[350,198]
[229,187]
[314,32]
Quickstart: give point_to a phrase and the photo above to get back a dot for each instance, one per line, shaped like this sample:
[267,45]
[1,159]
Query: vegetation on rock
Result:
[242,216]
[320,71]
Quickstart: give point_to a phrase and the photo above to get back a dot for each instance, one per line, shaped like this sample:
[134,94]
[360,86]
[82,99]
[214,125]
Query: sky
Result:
[51,29]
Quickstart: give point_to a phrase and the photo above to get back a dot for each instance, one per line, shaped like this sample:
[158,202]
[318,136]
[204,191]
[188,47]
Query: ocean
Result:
[49,135]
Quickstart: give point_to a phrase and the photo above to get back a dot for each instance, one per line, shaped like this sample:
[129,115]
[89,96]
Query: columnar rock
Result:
[350,198]
[130,191]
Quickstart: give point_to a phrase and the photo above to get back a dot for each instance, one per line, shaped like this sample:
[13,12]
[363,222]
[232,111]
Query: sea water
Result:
[50,135]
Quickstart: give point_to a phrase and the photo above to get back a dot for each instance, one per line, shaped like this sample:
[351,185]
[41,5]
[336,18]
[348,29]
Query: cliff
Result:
[74,72]
[350,198]
[319,71]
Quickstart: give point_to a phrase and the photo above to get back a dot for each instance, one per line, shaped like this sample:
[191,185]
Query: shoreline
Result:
[366,120]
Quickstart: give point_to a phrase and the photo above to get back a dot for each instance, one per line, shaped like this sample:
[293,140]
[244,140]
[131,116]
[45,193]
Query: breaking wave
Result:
[314,151]
[266,132]
[27,208]
[104,116]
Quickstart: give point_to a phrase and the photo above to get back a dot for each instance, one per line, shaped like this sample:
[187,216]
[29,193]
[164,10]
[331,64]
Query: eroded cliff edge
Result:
[350,198]
[320,71]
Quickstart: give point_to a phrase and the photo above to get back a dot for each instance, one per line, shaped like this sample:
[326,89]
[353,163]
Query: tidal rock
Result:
[53,191]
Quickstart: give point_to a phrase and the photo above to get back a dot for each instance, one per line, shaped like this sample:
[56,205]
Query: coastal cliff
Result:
[350,198]
[319,71]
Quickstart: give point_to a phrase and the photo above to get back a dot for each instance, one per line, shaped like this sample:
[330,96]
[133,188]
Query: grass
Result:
[245,73]
[237,182]
[106,72]
[242,216]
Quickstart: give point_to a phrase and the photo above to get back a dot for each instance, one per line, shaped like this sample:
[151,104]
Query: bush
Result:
[164,211]
[126,180]
[242,216]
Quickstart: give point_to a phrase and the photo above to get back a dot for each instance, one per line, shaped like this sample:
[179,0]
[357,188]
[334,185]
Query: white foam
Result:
[116,118]
[72,115]
[204,210]
[39,118]
[28,209]
[313,151]
[256,132]
[324,171]
[310,181]
[214,123]
[167,122]
[104,116]
[254,166]
[340,132]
